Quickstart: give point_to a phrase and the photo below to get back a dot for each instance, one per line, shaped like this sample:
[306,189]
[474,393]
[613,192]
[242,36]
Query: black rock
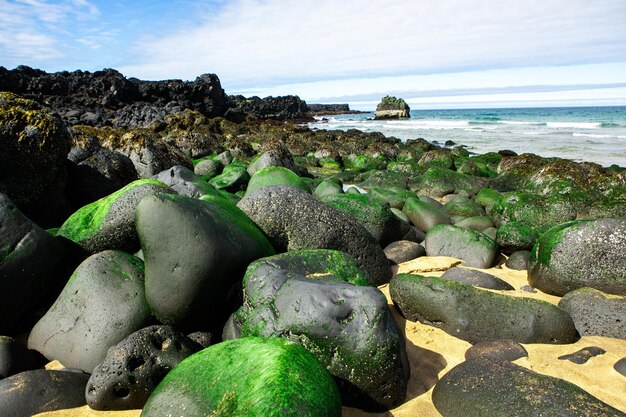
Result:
[32,392]
[403,251]
[518,260]
[488,387]
[16,358]
[277,108]
[134,367]
[185,182]
[501,349]
[476,278]
[204,339]
[596,313]
[583,355]
[294,219]
[620,366]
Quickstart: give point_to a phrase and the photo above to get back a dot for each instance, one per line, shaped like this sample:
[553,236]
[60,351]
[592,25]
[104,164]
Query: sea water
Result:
[593,134]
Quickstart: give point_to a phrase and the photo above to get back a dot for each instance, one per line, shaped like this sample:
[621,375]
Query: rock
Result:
[501,350]
[437,158]
[515,236]
[403,251]
[477,315]
[488,387]
[580,254]
[207,169]
[109,223]
[275,108]
[476,278]
[596,313]
[185,182]
[376,217]
[102,303]
[195,251]
[293,219]
[583,355]
[392,108]
[394,196]
[478,223]
[423,215]
[277,157]
[476,249]
[29,260]
[309,297]
[437,182]
[33,147]
[462,207]
[518,260]
[620,366]
[16,358]
[328,187]
[32,392]
[233,178]
[204,339]
[247,377]
[274,176]
[134,367]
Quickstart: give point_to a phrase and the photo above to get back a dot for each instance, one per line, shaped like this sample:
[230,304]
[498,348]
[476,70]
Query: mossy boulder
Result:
[262,377]
[309,297]
[276,175]
[475,248]
[185,182]
[487,197]
[580,254]
[383,179]
[394,196]
[437,158]
[327,188]
[363,163]
[34,144]
[195,251]
[109,223]
[514,236]
[498,388]
[233,178]
[102,303]
[424,215]
[437,182]
[478,315]
[462,207]
[478,223]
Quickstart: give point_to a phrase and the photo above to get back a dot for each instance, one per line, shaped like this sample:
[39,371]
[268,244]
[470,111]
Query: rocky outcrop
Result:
[392,108]
[276,108]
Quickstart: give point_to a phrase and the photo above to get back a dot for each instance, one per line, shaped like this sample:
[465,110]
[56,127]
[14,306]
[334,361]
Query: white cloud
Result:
[266,42]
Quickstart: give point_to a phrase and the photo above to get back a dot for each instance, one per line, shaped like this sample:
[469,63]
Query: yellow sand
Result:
[432,353]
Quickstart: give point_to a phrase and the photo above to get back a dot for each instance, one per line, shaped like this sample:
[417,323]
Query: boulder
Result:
[515,236]
[196,252]
[500,349]
[309,297]
[403,251]
[328,187]
[580,254]
[109,223]
[477,315]
[233,178]
[268,377]
[596,313]
[34,144]
[423,215]
[293,219]
[476,278]
[135,366]
[518,260]
[29,259]
[102,303]
[185,182]
[437,182]
[274,176]
[475,248]
[277,157]
[32,392]
[489,387]
[478,223]
[16,357]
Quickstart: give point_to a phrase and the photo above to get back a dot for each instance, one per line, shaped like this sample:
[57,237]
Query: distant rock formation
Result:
[392,108]
[275,108]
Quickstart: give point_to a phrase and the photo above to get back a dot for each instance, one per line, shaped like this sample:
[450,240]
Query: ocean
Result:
[593,134]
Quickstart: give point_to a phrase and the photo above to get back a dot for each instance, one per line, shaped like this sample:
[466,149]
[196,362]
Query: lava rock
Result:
[29,259]
[477,315]
[501,349]
[475,248]
[246,377]
[195,253]
[580,254]
[134,367]
[404,251]
[596,313]
[278,157]
[476,278]
[16,358]
[109,222]
[293,219]
[583,355]
[185,182]
[488,387]
[102,303]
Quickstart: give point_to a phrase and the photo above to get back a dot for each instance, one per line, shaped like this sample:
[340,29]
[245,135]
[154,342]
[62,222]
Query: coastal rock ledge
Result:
[392,108]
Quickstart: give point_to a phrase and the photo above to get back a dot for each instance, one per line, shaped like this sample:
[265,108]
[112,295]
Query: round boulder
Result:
[475,248]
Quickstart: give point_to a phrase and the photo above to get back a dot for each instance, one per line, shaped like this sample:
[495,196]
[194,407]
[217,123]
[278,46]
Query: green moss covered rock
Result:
[262,377]
[437,182]
[424,215]
[475,248]
[234,177]
[514,236]
[275,175]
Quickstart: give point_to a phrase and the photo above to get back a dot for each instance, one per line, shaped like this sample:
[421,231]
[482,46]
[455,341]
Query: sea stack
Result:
[392,108]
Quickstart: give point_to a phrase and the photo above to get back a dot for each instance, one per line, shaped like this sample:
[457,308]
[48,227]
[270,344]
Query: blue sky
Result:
[434,53]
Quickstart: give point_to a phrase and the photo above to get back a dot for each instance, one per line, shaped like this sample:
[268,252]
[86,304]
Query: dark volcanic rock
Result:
[309,297]
[488,387]
[16,358]
[580,254]
[276,108]
[185,182]
[32,392]
[134,367]
[28,258]
[107,97]
[620,366]
[501,349]
[583,355]
[294,219]
[477,315]
[476,278]
[33,147]
[102,303]
[195,253]
[596,313]
[475,248]
[404,251]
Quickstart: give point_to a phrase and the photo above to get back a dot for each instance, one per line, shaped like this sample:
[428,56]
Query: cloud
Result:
[267,42]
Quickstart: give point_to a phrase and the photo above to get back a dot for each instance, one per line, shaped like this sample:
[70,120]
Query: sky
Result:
[433,53]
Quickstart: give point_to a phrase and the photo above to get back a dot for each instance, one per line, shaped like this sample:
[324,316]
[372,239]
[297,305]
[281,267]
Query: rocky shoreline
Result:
[189,252]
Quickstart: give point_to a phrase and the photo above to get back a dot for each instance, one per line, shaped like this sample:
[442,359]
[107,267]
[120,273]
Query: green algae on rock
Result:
[109,222]
[475,248]
[253,377]
[275,175]
[234,177]
[423,215]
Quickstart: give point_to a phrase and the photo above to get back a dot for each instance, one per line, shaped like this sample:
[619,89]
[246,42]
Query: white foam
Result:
[515,122]
[594,135]
[577,125]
